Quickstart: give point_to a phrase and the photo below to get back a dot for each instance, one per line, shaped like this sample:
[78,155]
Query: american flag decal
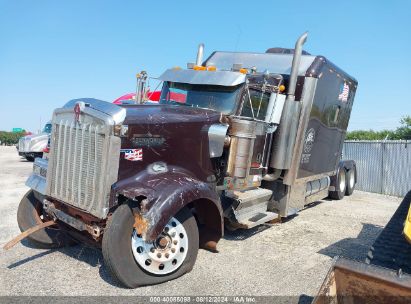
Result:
[344,92]
[132,154]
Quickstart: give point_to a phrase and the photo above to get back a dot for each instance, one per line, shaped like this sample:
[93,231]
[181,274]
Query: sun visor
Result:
[221,78]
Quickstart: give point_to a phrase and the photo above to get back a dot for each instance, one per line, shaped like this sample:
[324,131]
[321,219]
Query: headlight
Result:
[121,130]
[40,168]
[36,169]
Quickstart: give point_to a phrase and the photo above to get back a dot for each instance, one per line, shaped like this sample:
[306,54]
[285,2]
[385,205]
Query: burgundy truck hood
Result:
[174,135]
[149,114]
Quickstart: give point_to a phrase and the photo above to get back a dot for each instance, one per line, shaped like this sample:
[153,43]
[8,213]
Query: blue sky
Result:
[54,51]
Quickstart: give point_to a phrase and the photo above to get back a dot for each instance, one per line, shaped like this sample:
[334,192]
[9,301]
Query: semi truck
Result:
[32,146]
[256,138]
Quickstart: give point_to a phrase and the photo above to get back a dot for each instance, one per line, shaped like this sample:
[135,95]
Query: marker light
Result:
[281,88]
[211,68]
[177,68]
[244,71]
[199,68]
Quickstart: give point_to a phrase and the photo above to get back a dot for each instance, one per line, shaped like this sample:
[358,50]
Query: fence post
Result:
[382,167]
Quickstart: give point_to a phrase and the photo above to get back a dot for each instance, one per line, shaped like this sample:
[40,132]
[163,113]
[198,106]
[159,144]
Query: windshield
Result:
[47,128]
[256,105]
[218,98]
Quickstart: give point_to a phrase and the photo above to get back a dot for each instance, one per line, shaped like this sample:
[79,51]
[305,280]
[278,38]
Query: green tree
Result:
[10,138]
[369,135]
[404,131]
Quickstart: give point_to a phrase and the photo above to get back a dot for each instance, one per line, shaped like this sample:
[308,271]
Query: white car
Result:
[32,146]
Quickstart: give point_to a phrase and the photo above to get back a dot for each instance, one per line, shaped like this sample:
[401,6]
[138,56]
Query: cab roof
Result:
[276,61]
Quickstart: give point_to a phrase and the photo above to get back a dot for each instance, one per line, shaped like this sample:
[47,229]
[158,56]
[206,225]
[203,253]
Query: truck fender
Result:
[348,164]
[162,195]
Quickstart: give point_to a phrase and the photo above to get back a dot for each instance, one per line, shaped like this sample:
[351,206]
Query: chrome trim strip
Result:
[64,164]
[88,165]
[66,194]
[80,171]
[95,166]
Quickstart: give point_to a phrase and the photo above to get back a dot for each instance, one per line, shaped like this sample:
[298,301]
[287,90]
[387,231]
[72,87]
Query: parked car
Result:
[32,146]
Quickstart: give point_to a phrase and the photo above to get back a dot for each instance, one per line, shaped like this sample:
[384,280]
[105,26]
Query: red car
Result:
[152,96]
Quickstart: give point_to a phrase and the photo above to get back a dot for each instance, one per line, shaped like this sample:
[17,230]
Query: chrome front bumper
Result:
[37,179]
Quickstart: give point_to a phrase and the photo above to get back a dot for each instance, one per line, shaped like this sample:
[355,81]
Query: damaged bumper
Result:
[37,181]
[94,230]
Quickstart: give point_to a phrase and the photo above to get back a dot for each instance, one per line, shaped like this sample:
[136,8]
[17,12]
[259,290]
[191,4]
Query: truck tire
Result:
[340,186]
[29,214]
[30,158]
[132,262]
[350,181]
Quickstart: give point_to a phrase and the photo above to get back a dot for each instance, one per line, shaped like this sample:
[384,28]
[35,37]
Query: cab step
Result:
[248,209]
[258,219]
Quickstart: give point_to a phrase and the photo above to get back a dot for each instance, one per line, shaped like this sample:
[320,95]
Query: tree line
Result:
[402,132]
[10,138]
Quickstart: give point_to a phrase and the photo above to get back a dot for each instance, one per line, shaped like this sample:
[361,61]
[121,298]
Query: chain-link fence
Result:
[382,166]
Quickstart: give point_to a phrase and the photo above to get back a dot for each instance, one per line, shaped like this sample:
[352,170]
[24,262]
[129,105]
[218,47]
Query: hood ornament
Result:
[78,108]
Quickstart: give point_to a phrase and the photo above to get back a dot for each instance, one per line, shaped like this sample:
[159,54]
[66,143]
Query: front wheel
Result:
[30,214]
[133,262]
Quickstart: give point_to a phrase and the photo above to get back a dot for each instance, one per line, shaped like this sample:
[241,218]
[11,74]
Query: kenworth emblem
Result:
[147,140]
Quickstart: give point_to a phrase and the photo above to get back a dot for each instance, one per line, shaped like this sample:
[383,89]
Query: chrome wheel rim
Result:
[166,253]
[342,181]
[352,180]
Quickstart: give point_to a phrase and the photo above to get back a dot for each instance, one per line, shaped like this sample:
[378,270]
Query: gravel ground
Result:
[287,259]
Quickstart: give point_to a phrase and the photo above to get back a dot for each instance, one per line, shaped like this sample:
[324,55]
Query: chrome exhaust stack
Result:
[284,139]
[294,67]
[200,54]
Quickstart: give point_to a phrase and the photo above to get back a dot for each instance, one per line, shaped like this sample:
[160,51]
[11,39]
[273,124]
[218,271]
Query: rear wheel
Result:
[133,262]
[340,186]
[30,214]
[30,158]
[350,180]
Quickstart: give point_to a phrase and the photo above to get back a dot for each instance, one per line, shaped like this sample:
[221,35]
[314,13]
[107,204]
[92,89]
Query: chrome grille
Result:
[80,173]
